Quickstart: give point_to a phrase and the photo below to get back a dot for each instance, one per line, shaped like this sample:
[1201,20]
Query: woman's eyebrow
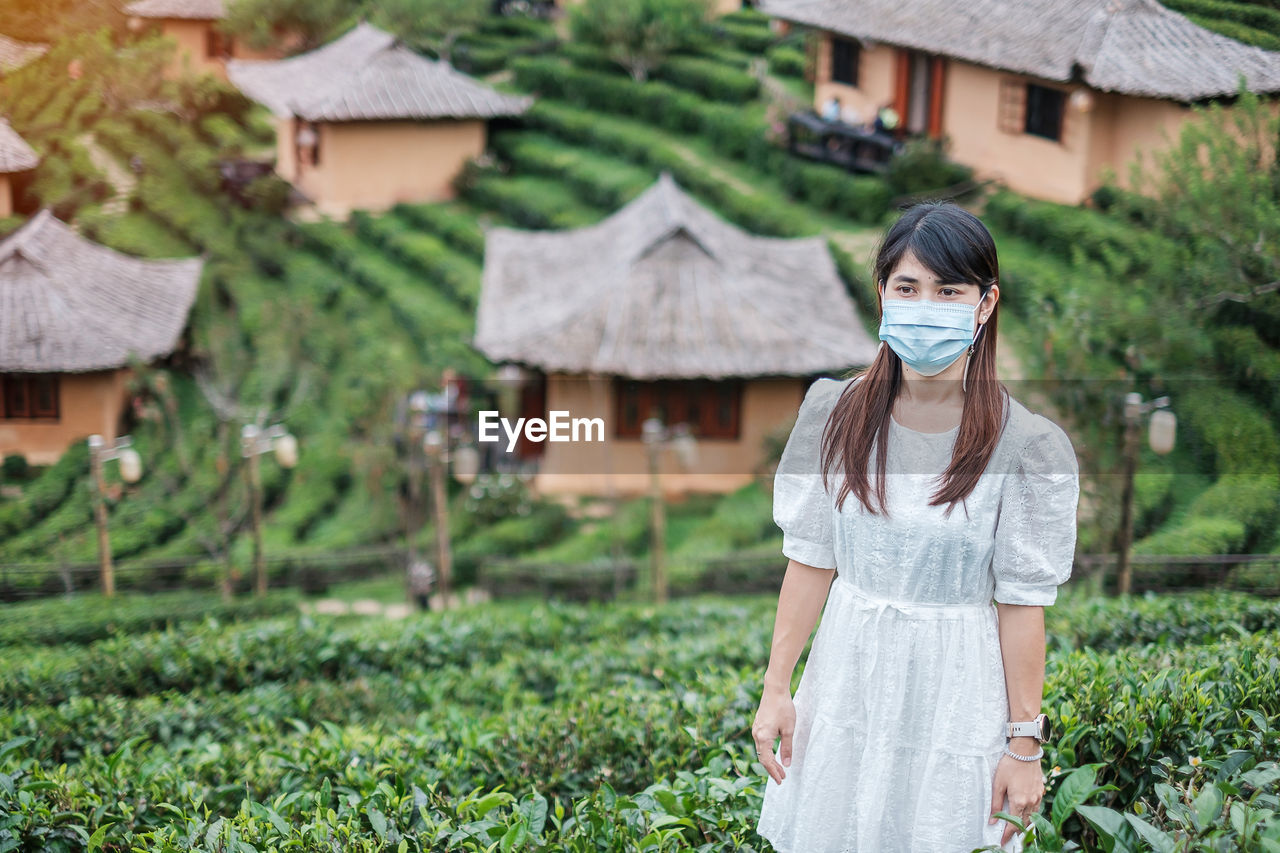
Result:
[909,279]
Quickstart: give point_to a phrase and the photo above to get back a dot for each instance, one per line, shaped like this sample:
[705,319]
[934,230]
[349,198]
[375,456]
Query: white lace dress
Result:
[901,708]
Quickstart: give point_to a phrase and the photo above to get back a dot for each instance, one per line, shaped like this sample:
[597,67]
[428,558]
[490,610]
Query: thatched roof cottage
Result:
[15,53]
[16,158]
[366,122]
[663,308]
[194,25]
[717,7]
[1042,94]
[72,315]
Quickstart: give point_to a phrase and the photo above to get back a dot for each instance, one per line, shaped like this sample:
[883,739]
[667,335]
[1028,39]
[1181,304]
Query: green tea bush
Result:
[1175,619]
[923,166]
[751,37]
[786,61]
[639,143]
[602,181]
[528,201]
[425,253]
[726,128]
[1066,229]
[49,490]
[574,727]
[86,618]
[1252,23]
[456,229]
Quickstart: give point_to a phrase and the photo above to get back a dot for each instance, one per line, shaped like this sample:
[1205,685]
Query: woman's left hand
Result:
[1023,781]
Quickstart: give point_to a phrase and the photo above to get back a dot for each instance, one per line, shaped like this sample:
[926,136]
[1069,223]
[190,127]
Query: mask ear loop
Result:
[964,382]
[881,347]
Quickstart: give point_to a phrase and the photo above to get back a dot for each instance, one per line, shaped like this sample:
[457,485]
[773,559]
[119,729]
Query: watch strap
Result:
[1030,728]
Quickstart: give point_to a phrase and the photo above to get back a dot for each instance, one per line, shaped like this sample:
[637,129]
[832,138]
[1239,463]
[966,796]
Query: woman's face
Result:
[912,280]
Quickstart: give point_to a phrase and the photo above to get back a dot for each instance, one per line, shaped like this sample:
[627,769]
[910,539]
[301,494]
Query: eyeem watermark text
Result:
[559,427]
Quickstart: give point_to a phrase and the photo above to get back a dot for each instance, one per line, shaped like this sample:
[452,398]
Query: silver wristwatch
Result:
[1037,728]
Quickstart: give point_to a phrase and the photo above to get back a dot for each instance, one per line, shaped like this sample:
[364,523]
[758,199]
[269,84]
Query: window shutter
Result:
[1013,105]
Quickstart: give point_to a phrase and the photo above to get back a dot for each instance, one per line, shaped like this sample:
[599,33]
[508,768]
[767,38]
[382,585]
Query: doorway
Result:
[918,92]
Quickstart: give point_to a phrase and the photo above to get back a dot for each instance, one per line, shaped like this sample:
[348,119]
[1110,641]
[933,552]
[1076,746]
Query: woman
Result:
[897,738]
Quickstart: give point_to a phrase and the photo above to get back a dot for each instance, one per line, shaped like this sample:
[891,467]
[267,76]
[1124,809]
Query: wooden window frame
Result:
[313,150]
[1014,114]
[1059,120]
[217,44]
[852,59]
[29,409]
[693,401]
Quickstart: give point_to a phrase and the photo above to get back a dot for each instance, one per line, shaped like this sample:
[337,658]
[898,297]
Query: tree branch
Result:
[1227,296]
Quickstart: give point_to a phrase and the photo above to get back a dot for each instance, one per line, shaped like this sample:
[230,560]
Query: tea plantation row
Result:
[547,726]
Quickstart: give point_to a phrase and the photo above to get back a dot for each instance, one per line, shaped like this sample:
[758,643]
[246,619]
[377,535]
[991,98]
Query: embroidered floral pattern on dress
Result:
[902,704]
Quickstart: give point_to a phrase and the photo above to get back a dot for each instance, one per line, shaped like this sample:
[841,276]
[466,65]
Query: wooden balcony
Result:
[851,147]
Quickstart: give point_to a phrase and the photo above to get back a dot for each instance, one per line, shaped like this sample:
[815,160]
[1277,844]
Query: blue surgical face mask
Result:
[928,336]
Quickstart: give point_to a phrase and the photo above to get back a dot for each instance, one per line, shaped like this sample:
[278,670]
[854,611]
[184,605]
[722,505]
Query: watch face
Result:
[1044,728]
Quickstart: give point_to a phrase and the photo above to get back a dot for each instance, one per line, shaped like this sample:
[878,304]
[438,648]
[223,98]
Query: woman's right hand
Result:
[775,718]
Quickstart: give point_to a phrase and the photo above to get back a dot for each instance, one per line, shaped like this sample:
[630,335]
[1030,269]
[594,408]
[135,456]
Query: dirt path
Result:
[389,610]
[694,158]
[118,176]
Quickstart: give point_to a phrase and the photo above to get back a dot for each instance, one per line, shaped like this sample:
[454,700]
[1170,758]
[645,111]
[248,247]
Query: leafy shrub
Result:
[268,194]
[1067,229]
[786,61]
[492,497]
[609,724]
[923,166]
[86,618]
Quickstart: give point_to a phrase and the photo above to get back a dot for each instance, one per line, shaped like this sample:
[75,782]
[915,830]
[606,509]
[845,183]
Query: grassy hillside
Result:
[324,325]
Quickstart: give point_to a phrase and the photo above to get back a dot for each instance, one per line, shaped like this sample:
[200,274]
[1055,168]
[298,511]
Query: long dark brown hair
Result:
[955,246]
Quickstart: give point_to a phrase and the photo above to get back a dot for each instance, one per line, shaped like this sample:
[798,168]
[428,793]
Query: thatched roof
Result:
[368,74]
[195,10]
[1135,47]
[664,288]
[68,304]
[15,154]
[14,54]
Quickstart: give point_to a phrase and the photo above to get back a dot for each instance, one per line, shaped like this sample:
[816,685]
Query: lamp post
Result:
[430,432]
[1160,436]
[465,462]
[413,426]
[253,443]
[130,472]
[656,436]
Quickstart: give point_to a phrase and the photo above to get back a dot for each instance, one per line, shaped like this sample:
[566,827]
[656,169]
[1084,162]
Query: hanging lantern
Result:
[286,448]
[1081,100]
[686,446]
[1163,429]
[130,465]
[466,463]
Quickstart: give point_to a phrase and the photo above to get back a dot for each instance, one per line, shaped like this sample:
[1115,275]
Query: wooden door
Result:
[918,90]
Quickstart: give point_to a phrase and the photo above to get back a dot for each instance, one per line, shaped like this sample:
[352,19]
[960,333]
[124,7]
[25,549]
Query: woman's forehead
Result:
[909,265]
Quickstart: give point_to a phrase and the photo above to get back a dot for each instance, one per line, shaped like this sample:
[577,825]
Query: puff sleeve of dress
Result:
[802,508]
[1036,526]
